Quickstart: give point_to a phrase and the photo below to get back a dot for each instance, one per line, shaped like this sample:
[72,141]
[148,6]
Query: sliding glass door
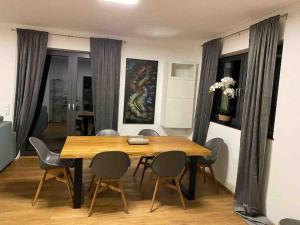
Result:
[65,106]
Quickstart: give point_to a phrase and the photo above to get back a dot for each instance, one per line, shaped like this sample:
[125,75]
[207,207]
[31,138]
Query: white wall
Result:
[282,183]
[161,50]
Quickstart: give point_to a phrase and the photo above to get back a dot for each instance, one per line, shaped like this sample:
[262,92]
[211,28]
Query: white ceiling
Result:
[176,19]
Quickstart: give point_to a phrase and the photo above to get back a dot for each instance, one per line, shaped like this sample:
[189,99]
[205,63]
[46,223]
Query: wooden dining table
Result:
[86,147]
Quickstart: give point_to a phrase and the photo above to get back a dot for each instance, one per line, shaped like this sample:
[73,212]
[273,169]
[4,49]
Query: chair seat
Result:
[56,162]
[205,161]
[289,222]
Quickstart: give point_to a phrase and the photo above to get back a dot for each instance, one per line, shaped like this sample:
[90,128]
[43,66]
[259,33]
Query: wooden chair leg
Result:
[42,181]
[70,178]
[183,173]
[95,195]
[123,196]
[214,178]
[204,174]
[91,183]
[154,194]
[68,184]
[179,192]
[138,166]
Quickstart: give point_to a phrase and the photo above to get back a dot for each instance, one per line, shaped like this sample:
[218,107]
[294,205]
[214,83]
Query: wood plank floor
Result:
[19,182]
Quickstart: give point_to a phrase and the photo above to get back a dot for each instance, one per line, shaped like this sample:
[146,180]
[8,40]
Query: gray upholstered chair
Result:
[51,163]
[109,167]
[168,166]
[215,145]
[108,132]
[289,222]
[144,160]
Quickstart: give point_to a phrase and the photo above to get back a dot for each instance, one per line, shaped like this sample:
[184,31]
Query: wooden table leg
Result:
[189,192]
[77,184]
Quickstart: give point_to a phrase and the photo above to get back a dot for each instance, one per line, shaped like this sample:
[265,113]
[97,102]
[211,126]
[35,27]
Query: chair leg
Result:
[123,196]
[204,174]
[70,177]
[39,187]
[91,183]
[214,178]
[68,184]
[95,195]
[138,166]
[179,192]
[154,194]
[183,173]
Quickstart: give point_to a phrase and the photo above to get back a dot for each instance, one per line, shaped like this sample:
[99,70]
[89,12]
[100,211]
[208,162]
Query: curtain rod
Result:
[284,16]
[66,35]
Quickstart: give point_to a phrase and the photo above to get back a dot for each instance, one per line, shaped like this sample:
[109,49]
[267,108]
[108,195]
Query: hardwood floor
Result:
[19,182]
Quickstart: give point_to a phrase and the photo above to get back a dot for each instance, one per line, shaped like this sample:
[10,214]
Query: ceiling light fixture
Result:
[125,2]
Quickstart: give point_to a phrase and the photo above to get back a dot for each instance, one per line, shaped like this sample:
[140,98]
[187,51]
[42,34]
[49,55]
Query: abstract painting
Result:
[140,91]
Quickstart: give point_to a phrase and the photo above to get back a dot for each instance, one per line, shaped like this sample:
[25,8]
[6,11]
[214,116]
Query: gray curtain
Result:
[105,64]
[210,58]
[32,51]
[257,104]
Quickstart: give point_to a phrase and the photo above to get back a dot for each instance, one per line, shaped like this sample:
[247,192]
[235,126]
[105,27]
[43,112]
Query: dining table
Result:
[86,147]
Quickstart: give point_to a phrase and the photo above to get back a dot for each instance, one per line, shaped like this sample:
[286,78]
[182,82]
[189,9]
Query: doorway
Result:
[65,106]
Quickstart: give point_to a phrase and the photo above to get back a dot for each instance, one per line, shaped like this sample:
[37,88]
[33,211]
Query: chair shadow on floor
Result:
[54,194]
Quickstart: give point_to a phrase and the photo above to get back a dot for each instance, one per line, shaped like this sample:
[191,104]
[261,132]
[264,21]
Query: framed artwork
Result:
[140,91]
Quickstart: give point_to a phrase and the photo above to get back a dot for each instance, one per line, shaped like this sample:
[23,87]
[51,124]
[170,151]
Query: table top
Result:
[85,113]
[88,146]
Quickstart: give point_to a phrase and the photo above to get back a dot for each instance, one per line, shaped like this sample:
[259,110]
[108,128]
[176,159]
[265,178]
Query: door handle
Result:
[73,107]
[69,106]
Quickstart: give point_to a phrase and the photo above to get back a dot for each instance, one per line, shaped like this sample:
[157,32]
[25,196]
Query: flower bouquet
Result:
[228,92]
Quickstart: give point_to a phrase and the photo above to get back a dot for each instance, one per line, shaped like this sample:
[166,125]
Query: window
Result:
[238,71]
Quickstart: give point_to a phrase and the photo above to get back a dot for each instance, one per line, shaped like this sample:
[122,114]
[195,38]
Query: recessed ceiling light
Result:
[125,2]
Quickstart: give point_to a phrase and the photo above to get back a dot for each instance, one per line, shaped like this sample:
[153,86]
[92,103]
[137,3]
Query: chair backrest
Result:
[169,164]
[288,221]
[148,132]
[108,132]
[42,151]
[215,145]
[110,165]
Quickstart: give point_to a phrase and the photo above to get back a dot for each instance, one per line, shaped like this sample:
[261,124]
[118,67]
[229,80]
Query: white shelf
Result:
[179,95]
[183,71]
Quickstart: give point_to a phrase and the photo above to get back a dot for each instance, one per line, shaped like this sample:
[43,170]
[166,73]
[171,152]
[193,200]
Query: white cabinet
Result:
[179,95]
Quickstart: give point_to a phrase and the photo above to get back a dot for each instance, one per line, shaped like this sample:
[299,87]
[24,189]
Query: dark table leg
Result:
[189,192]
[85,126]
[77,184]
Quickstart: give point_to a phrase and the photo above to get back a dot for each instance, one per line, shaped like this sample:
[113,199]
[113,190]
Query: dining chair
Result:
[52,164]
[105,132]
[108,132]
[109,167]
[288,221]
[203,162]
[168,166]
[215,145]
[144,160]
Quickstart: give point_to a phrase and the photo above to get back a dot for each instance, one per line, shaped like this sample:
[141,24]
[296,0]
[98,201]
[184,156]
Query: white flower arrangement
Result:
[226,85]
